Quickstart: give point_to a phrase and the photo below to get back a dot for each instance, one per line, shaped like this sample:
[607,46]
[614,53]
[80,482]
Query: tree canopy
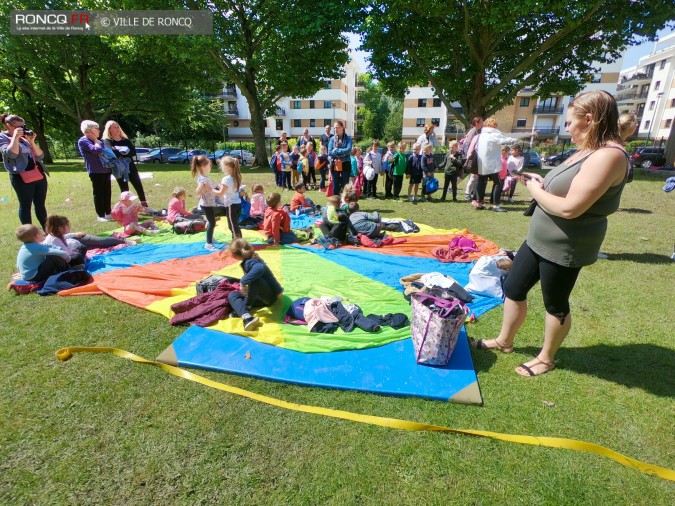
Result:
[480,53]
[277,48]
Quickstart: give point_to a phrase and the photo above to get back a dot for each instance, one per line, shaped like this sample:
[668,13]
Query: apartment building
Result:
[648,91]
[527,113]
[335,101]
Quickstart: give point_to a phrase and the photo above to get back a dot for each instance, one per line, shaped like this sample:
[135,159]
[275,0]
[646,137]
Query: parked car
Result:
[244,157]
[158,155]
[186,156]
[556,160]
[535,160]
[141,151]
[646,156]
[219,153]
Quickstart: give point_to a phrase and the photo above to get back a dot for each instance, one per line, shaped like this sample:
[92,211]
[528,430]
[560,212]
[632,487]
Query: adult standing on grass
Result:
[428,137]
[340,149]
[568,226]
[325,137]
[90,148]
[489,150]
[305,138]
[115,139]
[22,156]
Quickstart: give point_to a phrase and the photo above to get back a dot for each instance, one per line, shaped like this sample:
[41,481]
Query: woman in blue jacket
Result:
[20,155]
[340,148]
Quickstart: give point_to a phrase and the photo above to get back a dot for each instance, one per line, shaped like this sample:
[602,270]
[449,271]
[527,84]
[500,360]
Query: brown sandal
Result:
[528,369]
[482,345]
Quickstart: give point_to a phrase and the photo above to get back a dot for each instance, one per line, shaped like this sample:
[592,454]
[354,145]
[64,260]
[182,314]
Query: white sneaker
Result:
[210,247]
[102,219]
[250,323]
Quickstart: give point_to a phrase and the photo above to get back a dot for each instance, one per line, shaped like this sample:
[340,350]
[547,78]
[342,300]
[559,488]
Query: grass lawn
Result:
[98,429]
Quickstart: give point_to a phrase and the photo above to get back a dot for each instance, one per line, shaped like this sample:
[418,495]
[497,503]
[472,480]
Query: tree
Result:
[393,127]
[277,48]
[70,79]
[480,53]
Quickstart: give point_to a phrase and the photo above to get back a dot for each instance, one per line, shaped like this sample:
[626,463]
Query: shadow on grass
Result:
[640,258]
[645,366]
[635,210]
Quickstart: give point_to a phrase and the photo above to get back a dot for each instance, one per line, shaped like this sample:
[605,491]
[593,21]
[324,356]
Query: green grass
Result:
[98,429]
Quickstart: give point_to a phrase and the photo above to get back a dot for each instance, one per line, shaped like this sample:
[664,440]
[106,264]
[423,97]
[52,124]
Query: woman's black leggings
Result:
[482,185]
[557,281]
[29,195]
[135,180]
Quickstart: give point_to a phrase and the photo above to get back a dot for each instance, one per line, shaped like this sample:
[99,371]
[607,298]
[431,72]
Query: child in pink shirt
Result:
[176,210]
[126,213]
[258,203]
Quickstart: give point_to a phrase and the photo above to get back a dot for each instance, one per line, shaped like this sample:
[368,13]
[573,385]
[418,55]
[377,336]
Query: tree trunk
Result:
[38,121]
[258,131]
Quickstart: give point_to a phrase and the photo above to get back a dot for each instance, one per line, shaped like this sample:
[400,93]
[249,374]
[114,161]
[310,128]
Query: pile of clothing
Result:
[327,314]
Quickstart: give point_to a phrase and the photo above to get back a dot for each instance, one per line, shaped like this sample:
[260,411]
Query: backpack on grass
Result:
[188,227]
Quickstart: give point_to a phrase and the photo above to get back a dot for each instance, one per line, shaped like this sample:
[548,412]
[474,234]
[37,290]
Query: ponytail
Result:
[242,249]
[196,163]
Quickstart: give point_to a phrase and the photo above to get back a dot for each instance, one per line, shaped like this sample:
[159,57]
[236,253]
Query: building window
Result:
[651,105]
[311,104]
[329,85]
[437,102]
[668,123]
[549,102]
[657,85]
[326,122]
[421,102]
[524,101]
[436,121]
[521,123]
[297,104]
[663,65]
[279,124]
[420,122]
[312,122]
[647,123]
[297,123]
[327,104]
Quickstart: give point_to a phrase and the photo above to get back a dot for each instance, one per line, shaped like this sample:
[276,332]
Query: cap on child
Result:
[127,196]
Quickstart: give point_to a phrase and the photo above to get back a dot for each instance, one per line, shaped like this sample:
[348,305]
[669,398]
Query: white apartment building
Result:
[528,113]
[336,101]
[648,91]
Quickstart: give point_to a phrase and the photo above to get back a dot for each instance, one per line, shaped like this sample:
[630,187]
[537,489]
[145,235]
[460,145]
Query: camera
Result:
[27,131]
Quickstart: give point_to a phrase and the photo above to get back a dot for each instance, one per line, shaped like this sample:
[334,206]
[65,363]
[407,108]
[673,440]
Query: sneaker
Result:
[210,247]
[511,201]
[108,216]
[250,323]
[602,256]
[467,197]
[498,209]
[152,231]
[102,219]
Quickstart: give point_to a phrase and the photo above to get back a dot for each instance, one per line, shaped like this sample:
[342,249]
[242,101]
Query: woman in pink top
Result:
[176,210]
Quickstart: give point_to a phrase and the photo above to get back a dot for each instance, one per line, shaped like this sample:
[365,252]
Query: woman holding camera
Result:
[22,157]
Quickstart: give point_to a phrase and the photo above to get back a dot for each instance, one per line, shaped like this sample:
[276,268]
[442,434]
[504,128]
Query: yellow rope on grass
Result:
[551,442]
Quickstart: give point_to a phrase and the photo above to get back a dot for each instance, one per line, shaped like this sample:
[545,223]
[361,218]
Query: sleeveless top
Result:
[572,242]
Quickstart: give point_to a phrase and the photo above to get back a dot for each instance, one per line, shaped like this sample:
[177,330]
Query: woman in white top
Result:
[428,137]
[489,151]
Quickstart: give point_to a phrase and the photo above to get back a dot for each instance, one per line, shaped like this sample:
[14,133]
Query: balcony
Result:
[540,130]
[638,76]
[232,112]
[629,97]
[230,92]
[548,109]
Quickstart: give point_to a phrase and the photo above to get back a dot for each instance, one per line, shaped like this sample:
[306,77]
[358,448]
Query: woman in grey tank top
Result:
[567,228]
